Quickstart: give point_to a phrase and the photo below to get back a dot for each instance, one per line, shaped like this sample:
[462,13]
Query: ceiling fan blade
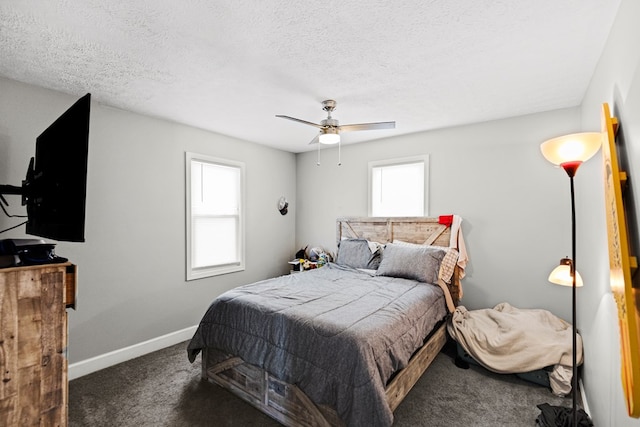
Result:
[299,121]
[367,126]
[315,140]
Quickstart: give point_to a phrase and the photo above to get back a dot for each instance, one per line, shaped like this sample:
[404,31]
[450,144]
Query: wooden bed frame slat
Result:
[404,381]
[285,402]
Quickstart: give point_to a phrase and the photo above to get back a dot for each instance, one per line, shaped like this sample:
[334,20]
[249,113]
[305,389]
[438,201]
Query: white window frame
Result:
[213,270]
[395,162]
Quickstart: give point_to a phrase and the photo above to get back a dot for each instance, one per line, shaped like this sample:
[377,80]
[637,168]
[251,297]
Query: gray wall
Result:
[514,204]
[617,82]
[515,207]
[132,284]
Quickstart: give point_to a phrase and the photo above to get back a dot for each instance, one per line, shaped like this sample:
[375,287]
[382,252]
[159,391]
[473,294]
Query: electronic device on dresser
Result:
[54,190]
[22,252]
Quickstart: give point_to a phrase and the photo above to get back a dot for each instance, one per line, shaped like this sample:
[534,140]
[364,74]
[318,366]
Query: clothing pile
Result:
[509,340]
[559,416]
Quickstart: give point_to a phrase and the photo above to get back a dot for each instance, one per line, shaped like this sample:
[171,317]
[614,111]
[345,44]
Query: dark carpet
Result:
[164,389]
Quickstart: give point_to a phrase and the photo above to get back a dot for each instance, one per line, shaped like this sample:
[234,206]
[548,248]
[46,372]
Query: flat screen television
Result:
[55,187]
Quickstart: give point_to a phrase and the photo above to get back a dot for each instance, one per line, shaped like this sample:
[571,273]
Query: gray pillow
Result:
[420,263]
[355,253]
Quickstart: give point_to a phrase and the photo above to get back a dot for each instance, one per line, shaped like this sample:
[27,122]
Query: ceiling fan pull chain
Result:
[339,155]
[318,162]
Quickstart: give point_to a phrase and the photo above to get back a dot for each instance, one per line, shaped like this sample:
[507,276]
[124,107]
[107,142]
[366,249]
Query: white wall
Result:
[132,284]
[617,82]
[515,205]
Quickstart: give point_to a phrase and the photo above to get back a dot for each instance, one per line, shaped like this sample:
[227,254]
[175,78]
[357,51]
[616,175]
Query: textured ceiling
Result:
[231,65]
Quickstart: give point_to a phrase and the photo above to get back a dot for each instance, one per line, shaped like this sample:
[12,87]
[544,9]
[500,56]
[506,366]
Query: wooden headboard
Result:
[420,230]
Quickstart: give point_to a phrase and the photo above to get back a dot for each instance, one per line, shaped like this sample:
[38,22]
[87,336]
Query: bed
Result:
[342,344]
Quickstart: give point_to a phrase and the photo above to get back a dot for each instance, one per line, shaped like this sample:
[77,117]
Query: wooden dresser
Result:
[33,344]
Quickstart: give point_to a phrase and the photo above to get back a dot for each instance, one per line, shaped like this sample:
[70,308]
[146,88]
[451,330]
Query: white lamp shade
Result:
[561,275]
[329,136]
[577,147]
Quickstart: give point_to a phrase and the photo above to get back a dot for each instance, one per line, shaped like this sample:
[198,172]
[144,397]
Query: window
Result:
[215,218]
[399,187]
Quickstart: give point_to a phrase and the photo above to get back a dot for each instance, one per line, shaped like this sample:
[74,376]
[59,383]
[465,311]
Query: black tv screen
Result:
[56,184]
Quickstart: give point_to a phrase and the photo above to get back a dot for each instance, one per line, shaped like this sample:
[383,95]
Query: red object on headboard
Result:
[445,220]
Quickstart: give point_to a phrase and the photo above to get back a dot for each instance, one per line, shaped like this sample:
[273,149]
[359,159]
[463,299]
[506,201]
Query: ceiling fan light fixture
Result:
[330,128]
[329,136]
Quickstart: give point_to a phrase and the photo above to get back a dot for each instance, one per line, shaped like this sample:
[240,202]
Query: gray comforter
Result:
[337,333]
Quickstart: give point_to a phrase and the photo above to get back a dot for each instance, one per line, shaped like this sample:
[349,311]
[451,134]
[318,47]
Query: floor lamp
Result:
[569,152]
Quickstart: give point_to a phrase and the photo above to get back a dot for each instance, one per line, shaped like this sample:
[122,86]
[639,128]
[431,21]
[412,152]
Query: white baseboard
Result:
[85,367]
[583,396]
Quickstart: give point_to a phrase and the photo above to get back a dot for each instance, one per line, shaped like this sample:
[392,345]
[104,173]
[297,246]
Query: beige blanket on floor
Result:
[506,339]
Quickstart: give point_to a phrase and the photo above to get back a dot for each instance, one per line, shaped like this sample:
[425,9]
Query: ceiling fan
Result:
[330,128]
